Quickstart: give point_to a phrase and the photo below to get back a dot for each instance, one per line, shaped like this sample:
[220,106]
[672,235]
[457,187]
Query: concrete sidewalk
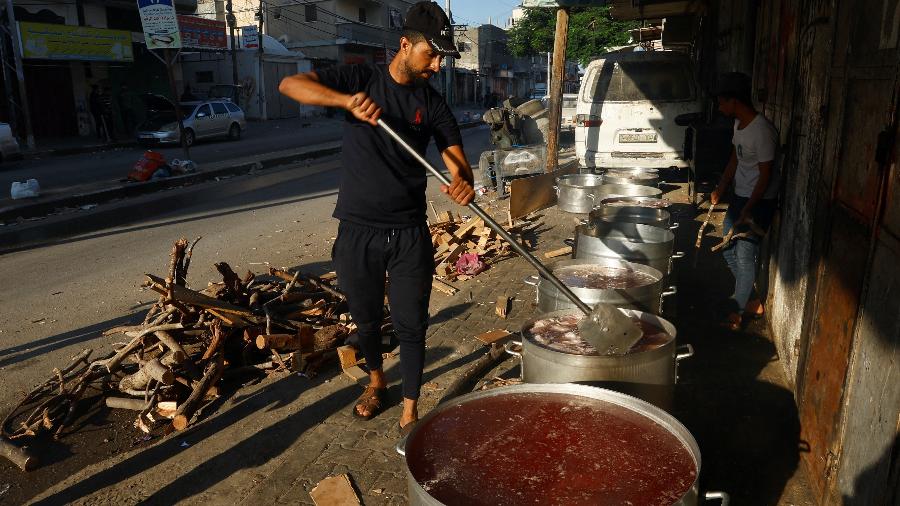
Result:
[270,443]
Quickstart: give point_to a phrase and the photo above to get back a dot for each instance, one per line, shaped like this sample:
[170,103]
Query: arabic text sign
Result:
[251,37]
[202,33]
[160,24]
[64,42]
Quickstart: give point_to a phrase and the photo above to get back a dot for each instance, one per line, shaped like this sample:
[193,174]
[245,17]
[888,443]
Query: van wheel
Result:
[189,137]
[234,133]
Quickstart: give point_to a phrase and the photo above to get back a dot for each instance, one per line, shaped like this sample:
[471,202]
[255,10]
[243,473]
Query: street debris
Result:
[334,491]
[566,250]
[464,247]
[170,365]
[28,189]
[492,336]
[502,306]
[497,382]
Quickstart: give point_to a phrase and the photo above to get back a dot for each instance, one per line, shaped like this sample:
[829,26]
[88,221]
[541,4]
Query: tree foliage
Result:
[591,32]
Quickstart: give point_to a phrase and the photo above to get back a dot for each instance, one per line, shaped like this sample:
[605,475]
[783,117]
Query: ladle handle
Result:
[518,248]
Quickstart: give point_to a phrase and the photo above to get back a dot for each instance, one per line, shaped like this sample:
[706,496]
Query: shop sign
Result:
[251,37]
[65,42]
[160,24]
[202,33]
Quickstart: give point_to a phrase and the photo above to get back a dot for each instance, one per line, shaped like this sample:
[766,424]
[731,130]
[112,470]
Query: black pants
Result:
[362,255]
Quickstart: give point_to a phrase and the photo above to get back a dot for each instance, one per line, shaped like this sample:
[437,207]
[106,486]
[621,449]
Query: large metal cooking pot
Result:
[575,192]
[631,170]
[641,244]
[454,414]
[646,297]
[650,202]
[649,375]
[633,214]
[638,178]
[606,191]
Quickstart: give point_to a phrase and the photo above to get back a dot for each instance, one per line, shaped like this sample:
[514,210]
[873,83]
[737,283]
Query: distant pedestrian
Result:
[95,104]
[106,114]
[754,173]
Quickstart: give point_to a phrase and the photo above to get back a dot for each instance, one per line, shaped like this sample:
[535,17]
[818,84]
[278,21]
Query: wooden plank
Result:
[347,356]
[334,491]
[567,250]
[492,336]
[557,74]
[454,254]
[437,284]
[356,373]
[468,228]
[501,307]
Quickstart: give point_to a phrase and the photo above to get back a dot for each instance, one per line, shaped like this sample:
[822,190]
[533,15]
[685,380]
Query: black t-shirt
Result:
[382,185]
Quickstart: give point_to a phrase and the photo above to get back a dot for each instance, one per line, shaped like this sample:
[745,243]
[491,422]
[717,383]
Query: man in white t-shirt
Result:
[754,173]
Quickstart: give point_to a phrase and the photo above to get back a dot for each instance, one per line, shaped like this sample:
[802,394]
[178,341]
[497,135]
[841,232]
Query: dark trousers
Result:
[362,255]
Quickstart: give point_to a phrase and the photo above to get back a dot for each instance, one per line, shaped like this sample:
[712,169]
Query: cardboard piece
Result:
[334,491]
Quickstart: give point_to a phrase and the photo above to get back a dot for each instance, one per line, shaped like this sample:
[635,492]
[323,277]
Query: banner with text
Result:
[202,33]
[65,42]
[160,24]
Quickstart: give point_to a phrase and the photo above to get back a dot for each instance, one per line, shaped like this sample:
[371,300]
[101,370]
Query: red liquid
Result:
[602,277]
[548,449]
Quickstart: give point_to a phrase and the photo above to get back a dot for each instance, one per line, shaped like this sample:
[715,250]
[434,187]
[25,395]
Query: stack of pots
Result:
[577,193]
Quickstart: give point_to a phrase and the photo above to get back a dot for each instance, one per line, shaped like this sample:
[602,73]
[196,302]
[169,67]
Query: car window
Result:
[231,107]
[628,81]
[204,109]
[219,108]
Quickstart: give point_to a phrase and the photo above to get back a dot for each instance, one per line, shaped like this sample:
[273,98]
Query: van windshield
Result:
[631,81]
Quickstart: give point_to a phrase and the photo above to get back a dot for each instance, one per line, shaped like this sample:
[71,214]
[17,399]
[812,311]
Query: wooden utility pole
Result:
[558,73]
[169,58]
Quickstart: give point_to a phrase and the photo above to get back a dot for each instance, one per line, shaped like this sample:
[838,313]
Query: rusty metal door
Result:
[863,97]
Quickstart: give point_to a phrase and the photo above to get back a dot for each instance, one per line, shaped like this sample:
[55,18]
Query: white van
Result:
[627,105]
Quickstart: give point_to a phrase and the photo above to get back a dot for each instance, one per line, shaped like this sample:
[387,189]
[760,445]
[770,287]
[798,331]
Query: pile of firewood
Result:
[171,364]
[453,237]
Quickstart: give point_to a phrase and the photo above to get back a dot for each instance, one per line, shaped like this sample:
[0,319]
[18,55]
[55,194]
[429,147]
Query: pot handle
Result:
[508,348]
[400,447]
[724,498]
[662,297]
[677,255]
[584,221]
[569,241]
[531,280]
[684,351]
[674,226]
[556,189]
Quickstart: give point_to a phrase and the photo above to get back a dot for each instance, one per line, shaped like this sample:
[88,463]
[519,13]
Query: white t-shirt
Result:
[754,144]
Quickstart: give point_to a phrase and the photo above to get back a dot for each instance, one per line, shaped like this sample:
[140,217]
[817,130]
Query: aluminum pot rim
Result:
[633,404]
[642,268]
[601,212]
[561,181]
[628,190]
[612,200]
[645,316]
[591,231]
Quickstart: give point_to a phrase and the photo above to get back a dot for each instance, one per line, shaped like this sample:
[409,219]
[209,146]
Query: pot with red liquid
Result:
[550,445]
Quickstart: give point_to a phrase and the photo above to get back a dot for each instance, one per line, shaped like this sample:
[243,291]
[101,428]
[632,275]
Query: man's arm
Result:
[306,89]
[727,177]
[461,187]
[765,175]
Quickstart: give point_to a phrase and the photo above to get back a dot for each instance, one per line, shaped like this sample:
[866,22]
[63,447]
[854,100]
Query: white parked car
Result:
[9,146]
[626,110]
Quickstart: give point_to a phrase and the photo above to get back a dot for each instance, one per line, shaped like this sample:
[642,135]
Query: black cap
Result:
[429,19]
[735,85]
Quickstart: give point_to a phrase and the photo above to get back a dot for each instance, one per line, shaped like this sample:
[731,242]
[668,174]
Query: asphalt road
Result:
[56,300]
[56,173]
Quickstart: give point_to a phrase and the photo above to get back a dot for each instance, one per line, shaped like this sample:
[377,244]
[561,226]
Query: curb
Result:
[39,209]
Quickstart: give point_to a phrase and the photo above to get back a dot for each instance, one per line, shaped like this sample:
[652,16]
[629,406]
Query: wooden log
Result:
[195,298]
[186,411]
[126,403]
[316,282]
[279,341]
[446,288]
[233,283]
[177,351]
[21,457]
[159,372]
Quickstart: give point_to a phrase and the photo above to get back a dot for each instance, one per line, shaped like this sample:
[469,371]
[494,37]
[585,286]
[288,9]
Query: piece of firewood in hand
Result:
[502,306]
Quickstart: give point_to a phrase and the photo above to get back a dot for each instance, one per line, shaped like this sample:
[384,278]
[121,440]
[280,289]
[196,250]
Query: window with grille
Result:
[310,13]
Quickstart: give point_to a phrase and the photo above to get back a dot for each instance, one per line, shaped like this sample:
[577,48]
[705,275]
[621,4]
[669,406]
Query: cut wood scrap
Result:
[347,356]
[463,231]
[356,373]
[437,284]
[328,276]
[19,456]
[446,217]
[334,491]
[492,336]
[454,254]
[501,307]
[232,320]
[566,250]
[279,342]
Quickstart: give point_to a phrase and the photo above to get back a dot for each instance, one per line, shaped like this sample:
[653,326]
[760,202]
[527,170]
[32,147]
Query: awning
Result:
[652,9]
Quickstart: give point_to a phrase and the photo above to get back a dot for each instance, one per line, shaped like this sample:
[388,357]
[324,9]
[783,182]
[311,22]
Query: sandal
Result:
[733,323]
[755,309]
[372,400]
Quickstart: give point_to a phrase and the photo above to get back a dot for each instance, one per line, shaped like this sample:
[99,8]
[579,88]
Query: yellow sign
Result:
[65,42]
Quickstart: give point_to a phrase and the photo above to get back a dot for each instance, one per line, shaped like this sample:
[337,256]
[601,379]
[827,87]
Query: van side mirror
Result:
[687,119]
